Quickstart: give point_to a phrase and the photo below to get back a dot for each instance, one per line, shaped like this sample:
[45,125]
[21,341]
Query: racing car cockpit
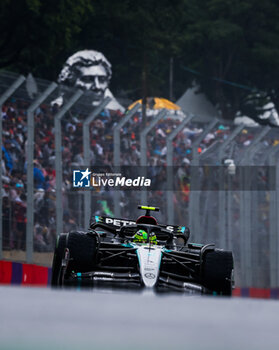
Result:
[147,228]
[144,230]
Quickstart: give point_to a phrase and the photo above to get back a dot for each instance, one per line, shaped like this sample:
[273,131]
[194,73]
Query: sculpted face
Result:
[93,79]
[89,71]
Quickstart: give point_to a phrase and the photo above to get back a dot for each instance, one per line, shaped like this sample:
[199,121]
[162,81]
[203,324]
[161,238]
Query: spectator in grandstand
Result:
[69,223]
[6,151]
[45,208]
[15,134]
[42,238]
[39,178]
[6,222]
[78,159]
[5,176]
[19,211]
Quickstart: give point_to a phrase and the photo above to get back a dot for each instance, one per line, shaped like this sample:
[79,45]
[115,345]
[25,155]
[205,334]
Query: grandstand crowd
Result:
[14,116]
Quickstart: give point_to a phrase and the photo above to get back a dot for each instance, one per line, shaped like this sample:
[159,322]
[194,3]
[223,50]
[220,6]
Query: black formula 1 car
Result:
[142,254]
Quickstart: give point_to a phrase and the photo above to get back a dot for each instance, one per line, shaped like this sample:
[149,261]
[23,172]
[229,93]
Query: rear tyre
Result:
[217,271]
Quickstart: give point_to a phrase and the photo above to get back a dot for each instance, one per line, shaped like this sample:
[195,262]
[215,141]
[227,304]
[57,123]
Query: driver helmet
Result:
[141,236]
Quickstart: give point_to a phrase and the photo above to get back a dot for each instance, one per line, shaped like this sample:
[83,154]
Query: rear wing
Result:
[114,222]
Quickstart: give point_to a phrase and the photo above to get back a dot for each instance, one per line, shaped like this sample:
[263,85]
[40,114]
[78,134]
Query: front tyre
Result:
[59,253]
[82,252]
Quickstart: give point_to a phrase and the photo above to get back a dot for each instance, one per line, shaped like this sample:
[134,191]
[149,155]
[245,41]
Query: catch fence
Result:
[218,179]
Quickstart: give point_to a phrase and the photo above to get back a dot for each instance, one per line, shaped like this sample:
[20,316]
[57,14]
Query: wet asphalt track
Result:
[33,318]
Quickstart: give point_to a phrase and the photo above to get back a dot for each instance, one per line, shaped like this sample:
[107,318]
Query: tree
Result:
[131,32]
[36,33]
[232,45]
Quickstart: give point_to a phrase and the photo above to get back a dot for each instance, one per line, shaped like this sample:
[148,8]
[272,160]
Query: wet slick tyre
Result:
[59,253]
[82,249]
[217,271]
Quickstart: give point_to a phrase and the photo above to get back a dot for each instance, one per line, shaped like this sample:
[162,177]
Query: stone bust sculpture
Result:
[90,71]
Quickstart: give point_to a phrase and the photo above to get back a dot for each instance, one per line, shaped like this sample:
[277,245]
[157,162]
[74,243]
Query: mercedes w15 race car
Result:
[141,254]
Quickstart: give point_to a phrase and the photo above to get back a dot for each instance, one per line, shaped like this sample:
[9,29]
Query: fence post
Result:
[245,211]
[194,211]
[273,221]
[8,93]
[223,233]
[116,153]
[30,169]
[86,152]
[277,221]
[58,158]
[143,149]
[255,142]
[170,138]
[230,138]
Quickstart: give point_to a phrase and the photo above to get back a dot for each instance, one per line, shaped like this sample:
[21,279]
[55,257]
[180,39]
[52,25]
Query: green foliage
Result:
[232,41]
[36,33]
[223,40]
